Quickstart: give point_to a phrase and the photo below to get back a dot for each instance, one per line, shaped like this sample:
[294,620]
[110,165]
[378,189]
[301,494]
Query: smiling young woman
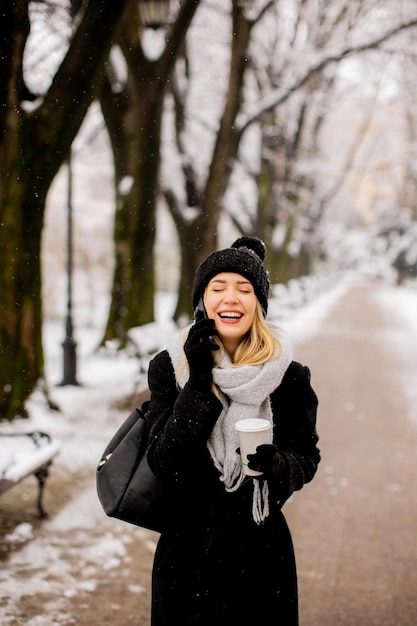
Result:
[230,300]
[226,556]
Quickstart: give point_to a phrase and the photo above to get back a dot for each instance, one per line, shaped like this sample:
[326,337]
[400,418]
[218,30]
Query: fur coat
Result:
[213,565]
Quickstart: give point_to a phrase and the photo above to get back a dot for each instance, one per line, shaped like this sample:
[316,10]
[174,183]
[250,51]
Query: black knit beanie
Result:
[245,257]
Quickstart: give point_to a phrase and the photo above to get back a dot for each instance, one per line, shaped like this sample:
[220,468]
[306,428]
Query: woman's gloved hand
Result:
[198,349]
[268,460]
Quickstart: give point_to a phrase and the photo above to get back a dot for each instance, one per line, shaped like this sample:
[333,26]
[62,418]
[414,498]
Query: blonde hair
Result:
[258,346]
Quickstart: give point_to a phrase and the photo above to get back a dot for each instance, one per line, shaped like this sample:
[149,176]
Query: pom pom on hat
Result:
[252,243]
[244,257]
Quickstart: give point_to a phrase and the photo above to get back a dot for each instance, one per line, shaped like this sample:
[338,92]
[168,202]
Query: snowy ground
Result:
[60,558]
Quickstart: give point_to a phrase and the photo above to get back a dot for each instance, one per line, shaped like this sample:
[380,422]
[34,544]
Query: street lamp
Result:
[69,345]
[153,13]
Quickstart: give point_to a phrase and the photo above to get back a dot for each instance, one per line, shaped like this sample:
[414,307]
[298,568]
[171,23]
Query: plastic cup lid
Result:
[252,424]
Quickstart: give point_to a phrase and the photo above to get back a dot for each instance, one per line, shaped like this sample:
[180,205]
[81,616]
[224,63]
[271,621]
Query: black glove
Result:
[198,350]
[268,460]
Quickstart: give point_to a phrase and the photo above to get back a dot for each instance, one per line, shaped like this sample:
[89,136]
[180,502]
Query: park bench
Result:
[148,339]
[25,454]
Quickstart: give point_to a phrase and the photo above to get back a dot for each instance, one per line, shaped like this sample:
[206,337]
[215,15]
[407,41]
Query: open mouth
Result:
[230,315]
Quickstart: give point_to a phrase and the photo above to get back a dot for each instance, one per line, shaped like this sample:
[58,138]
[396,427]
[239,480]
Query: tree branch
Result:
[75,84]
[176,38]
[278,97]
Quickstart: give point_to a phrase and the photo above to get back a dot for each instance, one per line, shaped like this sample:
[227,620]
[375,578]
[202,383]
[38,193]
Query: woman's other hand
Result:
[268,460]
[198,349]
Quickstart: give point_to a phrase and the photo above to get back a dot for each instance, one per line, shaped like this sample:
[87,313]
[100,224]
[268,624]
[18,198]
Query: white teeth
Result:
[231,315]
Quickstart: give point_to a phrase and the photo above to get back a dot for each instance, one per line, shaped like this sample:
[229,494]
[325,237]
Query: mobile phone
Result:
[200,311]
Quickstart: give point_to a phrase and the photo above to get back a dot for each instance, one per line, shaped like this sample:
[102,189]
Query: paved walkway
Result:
[355,526]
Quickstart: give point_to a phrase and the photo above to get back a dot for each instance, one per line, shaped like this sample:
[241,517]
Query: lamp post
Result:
[69,345]
[153,13]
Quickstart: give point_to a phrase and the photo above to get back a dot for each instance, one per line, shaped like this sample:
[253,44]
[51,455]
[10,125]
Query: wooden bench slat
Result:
[31,461]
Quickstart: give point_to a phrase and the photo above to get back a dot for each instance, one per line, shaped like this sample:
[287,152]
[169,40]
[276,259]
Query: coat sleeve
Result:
[179,421]
[294,405]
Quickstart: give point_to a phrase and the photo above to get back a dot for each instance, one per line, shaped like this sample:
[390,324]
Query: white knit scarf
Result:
[244,393]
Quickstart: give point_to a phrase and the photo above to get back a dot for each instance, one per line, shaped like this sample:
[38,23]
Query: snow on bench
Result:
[150,339]
[23,454]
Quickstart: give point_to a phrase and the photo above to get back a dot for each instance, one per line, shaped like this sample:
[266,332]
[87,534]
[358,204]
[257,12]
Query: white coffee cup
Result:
[252,433]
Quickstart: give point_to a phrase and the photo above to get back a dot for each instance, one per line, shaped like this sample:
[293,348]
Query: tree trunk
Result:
[33,146]
[134,126]
[199,239]
[187,232]
[20,285]
[134,123]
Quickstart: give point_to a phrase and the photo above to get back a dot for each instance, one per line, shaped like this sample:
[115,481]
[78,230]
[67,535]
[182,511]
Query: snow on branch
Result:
[278,97]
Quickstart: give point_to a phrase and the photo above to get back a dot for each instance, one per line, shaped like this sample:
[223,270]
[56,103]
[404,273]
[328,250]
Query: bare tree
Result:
[296,96]
[133,114]
[203,193]
[282,69]
[33,145]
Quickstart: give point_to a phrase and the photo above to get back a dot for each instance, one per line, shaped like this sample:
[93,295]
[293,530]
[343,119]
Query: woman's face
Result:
[231,301]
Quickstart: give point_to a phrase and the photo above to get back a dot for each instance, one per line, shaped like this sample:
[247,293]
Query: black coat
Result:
[213,565]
